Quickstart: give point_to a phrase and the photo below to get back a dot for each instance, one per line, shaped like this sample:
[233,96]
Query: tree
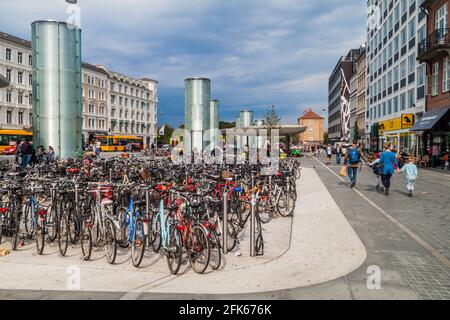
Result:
[326,140]
[272,118]
[165,139]
[226,125]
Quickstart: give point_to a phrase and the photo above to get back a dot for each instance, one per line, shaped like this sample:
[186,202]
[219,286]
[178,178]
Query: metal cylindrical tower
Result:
[247,121]
[238,138]
[197,109]
[261,140]
[214,122]
[57,109]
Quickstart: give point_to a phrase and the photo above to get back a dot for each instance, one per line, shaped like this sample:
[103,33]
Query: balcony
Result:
[436,43]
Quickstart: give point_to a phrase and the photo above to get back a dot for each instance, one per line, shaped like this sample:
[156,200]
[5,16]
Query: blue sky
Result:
[256,52]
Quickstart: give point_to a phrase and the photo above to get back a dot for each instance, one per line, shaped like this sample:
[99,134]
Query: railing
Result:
[437,38]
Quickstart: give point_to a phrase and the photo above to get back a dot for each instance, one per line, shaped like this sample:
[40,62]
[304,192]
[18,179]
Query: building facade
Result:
[339,96]
[361,96]
[95,95]
[16,67]
[134,106]
[353,103]
[395,80]
[314,131]
[434,51]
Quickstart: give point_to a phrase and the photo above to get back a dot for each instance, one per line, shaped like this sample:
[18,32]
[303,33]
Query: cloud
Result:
[256,52]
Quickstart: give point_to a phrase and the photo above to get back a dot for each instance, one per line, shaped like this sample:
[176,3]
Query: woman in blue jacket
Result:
[387,160]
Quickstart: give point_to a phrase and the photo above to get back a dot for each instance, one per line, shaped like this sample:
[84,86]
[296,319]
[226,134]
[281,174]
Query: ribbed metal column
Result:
[214,123]
[57,110]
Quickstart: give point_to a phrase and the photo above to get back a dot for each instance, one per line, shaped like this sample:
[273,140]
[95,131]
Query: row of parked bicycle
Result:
[141,204]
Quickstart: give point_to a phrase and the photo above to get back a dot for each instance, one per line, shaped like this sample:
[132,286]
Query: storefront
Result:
[434,129]
[397,133]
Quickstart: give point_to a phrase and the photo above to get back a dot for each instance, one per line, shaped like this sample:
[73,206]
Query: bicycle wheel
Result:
[52,223]
[286,204]
[73,228]
[28,222]
[86,239]
[138,243]
[264,210]
[198,248]
[15,227]
[63,234]
[155,233]
[216,248]
[110,241]
[40,235]
[174,250]
[231,234]
[123,234]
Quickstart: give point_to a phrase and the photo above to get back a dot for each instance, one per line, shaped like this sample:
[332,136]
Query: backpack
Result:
[353,155]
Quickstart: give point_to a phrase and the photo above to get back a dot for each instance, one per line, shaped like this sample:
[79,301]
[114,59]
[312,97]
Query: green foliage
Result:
[272,118]
[165,139]
[326,140]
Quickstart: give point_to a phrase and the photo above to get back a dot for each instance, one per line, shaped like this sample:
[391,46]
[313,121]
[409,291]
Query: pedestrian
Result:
[434,155]
[446,163]
[338,154]
[26,150]
[388,160]
[329,153]
[98,146]
[353,160]
[411,173]
[50,154]
[40,154]
[377,167]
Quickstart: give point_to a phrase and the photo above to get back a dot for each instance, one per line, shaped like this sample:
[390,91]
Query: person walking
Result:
[26,150]
[446,163]
[377,167]
[389,162]
[329,153]
[98,146]
[411,172]
[338,154]
[50,154]
[18,155]
[353,160]
[434,155]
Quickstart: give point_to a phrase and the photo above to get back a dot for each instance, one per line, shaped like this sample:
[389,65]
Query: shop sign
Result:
[406,121]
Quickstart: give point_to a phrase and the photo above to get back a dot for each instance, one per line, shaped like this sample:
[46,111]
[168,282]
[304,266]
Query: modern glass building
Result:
[395,79]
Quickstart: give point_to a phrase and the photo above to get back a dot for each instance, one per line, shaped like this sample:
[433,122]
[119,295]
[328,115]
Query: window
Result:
[8,54]
[403,101]
[30,60]
[20,77]
[20,118]
[412,29]
[396,44]
[396,75]
[19,57]
[403,69]
[102,109]
[8,96]
[446,75]
[30,99]
[8,117]
[8,74]
[435,79]
[440,19]
[404,6]
[384,109]
[396,104]
[412,98]
[396,14]
[411,63]
[389,104]
[91,108]
[30,79]
[403,37]
[421,75]
[20,97]
[421,34]
[389,79]
[120,101]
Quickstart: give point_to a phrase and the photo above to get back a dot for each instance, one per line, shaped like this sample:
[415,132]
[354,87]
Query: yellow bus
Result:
[118,143]
[10,138]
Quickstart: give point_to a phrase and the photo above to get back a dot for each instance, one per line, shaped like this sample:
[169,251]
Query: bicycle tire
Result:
[137,252]
[216,249]
[15,227]
[40,236]
[28,222]
[52,223]
[86,240]
[263,211]
[123,234]
[285,205]
[63,234]
[198,247]
[155,233]
[110,241]
[174,250]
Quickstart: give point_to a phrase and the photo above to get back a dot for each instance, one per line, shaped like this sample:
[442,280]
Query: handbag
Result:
[343,172]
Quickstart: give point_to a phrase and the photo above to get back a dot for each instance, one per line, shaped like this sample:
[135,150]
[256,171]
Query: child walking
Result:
[376,166]
[410,170]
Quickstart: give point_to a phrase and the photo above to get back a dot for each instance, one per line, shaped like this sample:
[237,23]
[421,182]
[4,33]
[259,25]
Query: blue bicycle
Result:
[35,218]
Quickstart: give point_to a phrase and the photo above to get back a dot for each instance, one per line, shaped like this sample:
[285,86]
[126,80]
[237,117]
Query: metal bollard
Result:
[252,226]
[147,201]
[225,223]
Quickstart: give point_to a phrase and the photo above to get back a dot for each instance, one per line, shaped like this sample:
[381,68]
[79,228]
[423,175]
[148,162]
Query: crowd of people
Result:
[27,155]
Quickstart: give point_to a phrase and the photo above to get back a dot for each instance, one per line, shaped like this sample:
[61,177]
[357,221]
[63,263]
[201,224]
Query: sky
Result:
[256,52]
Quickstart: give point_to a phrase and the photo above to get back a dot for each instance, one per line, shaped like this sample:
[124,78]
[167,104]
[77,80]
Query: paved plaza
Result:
[328,250]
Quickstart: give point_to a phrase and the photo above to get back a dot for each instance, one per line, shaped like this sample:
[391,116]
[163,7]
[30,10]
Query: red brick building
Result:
[434,50]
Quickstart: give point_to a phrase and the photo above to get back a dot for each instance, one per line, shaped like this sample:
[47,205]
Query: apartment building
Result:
[16,98]
[133,106]
[95,95]
[361,95]
[434,51]
[339,96]
[395,80]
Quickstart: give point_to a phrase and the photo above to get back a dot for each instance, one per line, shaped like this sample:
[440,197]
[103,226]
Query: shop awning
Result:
[430,119]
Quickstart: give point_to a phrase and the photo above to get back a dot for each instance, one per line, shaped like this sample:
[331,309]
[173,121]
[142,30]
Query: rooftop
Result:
[14,39]
[310,115]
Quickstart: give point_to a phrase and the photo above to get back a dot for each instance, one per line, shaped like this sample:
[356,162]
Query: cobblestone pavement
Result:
[418,257]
